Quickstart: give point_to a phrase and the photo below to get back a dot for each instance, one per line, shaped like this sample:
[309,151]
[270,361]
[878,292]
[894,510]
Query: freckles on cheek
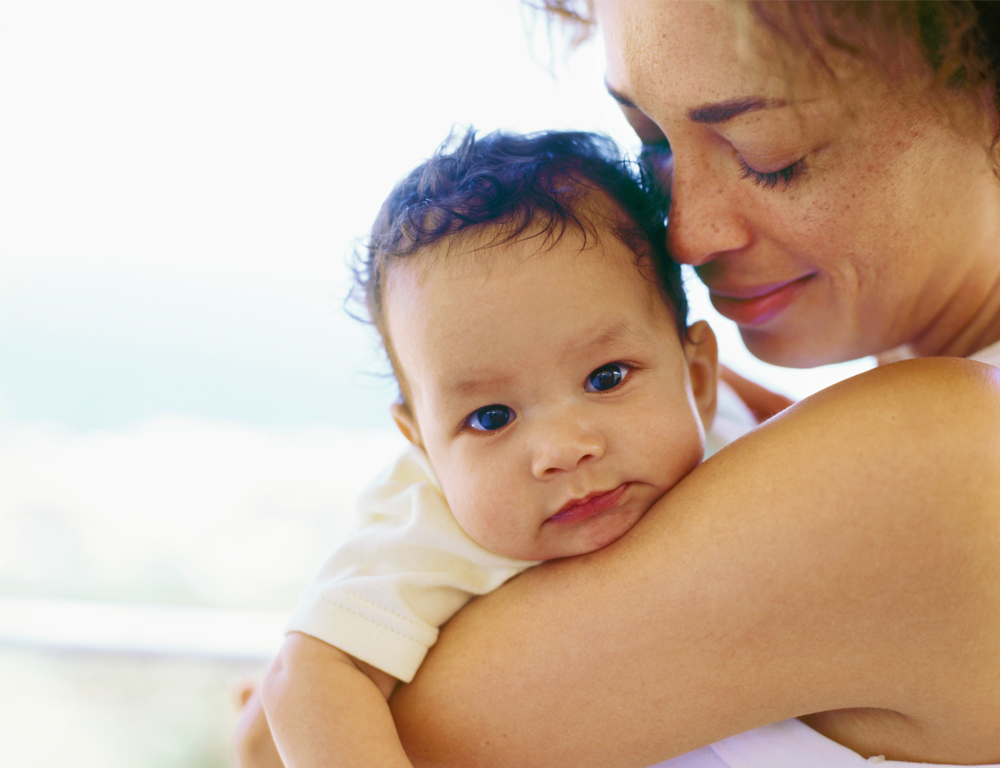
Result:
[828,215]
[817,222]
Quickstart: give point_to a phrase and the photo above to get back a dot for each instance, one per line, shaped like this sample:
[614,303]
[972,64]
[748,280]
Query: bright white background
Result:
[181,183]
[186,410]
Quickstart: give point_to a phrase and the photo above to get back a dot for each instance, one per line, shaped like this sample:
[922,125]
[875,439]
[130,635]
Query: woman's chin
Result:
[797,350]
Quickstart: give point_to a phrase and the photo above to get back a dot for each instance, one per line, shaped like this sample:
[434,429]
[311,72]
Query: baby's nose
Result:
[563,445]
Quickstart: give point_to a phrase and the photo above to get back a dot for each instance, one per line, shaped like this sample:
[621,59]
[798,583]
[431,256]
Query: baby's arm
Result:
[762,402]
[324,705]
[327,709]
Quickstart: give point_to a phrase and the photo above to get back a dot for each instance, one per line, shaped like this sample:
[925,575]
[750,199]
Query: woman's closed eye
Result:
[607,377]
[784,176]
[490,418]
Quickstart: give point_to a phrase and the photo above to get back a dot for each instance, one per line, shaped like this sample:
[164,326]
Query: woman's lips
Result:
[588,506]
[758,304]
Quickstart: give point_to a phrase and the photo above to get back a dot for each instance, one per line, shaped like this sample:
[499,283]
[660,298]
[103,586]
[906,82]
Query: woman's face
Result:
[844,225]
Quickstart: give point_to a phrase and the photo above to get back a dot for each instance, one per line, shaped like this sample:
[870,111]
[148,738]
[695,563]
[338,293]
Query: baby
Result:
[552,390]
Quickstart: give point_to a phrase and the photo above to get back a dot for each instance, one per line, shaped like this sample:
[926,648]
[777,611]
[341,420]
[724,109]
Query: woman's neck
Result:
[970,320]
[980,330]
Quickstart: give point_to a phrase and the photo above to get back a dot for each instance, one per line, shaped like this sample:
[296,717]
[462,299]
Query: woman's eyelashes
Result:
[771,180]
[658,158]
[607,377]
[490,418]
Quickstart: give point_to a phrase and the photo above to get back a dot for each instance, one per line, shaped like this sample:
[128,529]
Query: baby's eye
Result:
[490,418]
[606,377]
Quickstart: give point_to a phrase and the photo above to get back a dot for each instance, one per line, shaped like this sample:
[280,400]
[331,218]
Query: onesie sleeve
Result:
[383,594]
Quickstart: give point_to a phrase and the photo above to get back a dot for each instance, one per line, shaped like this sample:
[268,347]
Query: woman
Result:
[839,201]
[840,197]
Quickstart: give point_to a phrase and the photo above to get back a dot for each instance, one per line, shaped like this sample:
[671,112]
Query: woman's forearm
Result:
[815,565]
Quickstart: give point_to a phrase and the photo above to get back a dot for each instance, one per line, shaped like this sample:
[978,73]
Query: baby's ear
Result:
[406,422]
[702,352]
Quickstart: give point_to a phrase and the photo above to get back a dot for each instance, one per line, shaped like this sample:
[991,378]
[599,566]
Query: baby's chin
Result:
[557,541]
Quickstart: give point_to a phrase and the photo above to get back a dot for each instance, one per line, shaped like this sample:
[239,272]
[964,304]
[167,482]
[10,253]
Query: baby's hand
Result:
[762,402]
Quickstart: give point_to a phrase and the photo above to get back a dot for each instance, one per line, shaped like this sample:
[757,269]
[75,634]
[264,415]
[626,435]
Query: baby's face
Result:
[551,389]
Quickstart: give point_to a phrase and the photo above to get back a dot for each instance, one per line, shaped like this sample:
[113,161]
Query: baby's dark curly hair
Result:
[516,185]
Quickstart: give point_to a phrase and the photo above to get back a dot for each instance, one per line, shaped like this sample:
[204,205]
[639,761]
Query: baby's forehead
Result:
[492,301]
[593,225]
[494,259]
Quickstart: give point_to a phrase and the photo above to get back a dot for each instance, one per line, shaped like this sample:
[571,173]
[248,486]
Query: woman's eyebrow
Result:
[711,114]
[727,110]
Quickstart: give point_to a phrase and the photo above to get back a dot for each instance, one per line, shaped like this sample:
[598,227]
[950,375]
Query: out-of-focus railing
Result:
[140,630]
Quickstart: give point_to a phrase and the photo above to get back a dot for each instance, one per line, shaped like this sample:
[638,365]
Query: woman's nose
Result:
[704,220]
[563,444]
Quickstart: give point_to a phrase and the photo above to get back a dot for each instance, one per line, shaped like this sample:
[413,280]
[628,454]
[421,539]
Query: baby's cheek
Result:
[491,525]
[472,515]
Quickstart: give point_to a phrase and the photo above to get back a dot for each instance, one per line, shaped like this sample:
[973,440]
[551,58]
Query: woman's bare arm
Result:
[845,555]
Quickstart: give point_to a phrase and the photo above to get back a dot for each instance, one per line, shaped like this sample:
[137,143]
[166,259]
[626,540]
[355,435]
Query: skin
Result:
[809,567]
[800,570]
[842,559]
[887,229]
[709,618]
[604,412]
[528,489]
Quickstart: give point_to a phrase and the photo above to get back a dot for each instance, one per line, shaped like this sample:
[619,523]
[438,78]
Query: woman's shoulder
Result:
[929,431]
[910,405]
[871,513]
[930,381]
